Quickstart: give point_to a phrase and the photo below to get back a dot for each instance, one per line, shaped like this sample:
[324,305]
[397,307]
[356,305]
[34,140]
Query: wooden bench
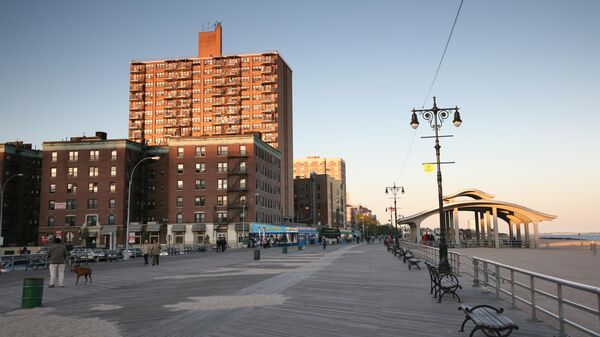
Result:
[489,320]
[407,256]
[443,283]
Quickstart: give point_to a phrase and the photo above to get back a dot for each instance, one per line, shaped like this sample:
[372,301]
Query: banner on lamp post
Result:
[428,168]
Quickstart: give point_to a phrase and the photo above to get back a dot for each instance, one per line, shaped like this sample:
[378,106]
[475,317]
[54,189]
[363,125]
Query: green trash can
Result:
[33,291]
[284,249]
[257,254]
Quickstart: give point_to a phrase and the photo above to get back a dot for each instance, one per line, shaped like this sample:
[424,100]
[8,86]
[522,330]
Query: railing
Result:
[22,262]
[524,286]
[432,254]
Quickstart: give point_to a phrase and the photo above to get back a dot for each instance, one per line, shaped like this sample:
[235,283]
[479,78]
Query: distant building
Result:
[334,167]
[21,194]
[353,210]
[318,200]
[215,94]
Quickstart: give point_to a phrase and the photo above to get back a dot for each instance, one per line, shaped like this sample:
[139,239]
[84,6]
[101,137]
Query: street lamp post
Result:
[395,189]
[126,252]
[244,220]
[2,203]
[436,116]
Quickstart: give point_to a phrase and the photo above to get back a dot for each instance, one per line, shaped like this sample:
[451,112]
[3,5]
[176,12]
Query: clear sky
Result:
[524,73]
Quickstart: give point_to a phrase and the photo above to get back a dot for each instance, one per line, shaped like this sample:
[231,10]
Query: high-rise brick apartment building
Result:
[85,184]
[20,169]
[318,201]
[334,167]
[215,94]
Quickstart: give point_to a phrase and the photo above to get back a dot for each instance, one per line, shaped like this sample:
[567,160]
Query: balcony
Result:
[184,85]
[233,110]
[184,65]
[135,126]
[237,188]
[268,69]
[169,114]
[232,92]
[170,85]
[228,82]
[269,89]
[238,172]
[137,68]
[137,78]
[269,79]
[184,112]
[269,108]
[233,72]
[232,62]
[269,98]
[135,134]
[136,115]
[184,94]
[187,132]
[137,106]
[171,94]
[136,87]
[268,60]
[232,131]
[136,97]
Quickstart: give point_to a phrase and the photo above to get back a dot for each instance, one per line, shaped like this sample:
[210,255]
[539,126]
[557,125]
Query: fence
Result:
[569,304]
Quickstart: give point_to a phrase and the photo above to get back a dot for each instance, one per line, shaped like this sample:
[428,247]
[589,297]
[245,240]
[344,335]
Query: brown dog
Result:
[82,271]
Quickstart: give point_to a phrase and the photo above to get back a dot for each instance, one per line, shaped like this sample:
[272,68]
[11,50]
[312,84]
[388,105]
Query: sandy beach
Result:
[578,265]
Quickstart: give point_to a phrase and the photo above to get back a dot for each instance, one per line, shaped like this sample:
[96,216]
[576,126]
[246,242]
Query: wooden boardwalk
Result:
[356,290]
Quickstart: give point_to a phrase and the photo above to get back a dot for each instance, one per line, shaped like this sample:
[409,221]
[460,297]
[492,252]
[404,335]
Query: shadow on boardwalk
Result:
[358,290]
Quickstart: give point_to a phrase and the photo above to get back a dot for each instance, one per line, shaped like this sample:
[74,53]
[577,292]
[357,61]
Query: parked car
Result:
[114,255]
[100,254]
[130,252]
[82,254]
[169,251]
[138,252]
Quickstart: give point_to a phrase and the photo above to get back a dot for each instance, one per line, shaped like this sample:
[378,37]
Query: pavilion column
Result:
[536,238]
[496,234]
[456,227]
[488,231]
[526,228]
[510,229]
[416,235]
[519,231]
[477,232]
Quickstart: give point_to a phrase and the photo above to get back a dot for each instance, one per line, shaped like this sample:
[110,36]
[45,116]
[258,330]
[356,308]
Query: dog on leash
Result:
[82,271]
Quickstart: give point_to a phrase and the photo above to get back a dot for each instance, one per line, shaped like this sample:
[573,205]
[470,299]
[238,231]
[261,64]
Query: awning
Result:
[107,229]
[222,228]
[178,227]
[199,227]
[155,227]
[135,227]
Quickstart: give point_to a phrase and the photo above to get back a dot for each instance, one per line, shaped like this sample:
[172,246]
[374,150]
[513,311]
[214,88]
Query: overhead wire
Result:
[437,71]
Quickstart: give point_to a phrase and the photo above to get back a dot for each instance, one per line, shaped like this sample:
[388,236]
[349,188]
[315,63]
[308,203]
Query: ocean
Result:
[571,236]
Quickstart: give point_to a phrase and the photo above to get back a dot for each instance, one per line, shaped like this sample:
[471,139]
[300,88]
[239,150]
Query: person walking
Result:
[155,250]
[145,251]
[57,255]
[324,244]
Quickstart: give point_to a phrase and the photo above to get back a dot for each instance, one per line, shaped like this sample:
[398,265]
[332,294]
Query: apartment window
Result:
[92,204]
[71,204]
[113,155]
[243,183]
[180,152]
[179,168]
[71,188]
[93,171]
[112,187]
[199,217]
[242,150]
[54,157]
[52,188]
[73,155]
[72,172]
[222,150]
[199,201]
[221,217]
[221,200]
[179,201]
[91,220]
[50,221]
[222,184]
[200,151]
[222,167]
[51,205]
[180,184]
[200,167]
[94,155]
[179,218]
[112,219]
[53,172]
[70,220]
[243,167]
[200,184]
[93,187]
[112,203]
[113,171]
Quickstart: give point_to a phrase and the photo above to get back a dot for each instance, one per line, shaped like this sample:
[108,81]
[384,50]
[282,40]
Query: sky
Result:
[523,73]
